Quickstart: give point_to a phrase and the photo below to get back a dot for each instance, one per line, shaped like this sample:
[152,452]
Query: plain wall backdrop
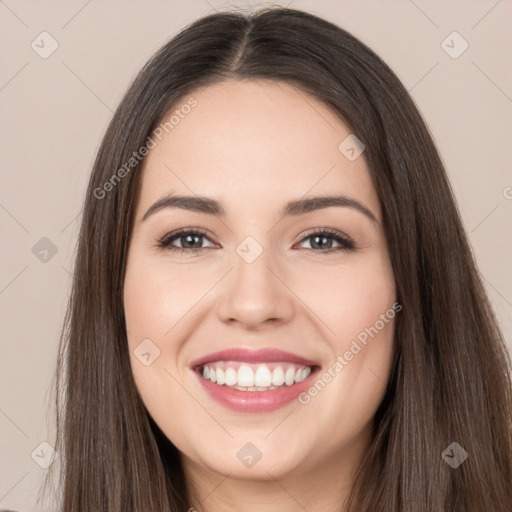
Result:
[65,67]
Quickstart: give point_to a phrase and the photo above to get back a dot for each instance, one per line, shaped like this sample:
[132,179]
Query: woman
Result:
[275,306]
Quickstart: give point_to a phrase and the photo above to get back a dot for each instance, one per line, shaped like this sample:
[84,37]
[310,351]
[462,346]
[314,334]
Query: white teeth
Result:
[302,374]
[231,376]
[289,376]
[255,377]
[240,388]
[245,376]
[221,379]
[262,377]
[278,376]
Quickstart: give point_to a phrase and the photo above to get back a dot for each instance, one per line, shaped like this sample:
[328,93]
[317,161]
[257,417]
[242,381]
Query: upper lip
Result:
[265,355]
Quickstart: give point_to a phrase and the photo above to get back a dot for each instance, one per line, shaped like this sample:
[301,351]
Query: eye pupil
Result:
[321,245]
[188,239]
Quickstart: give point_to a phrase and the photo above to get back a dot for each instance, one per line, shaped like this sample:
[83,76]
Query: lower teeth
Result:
[253,388]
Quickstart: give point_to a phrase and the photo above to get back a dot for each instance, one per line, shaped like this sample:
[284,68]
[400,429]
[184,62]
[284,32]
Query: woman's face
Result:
[305,317]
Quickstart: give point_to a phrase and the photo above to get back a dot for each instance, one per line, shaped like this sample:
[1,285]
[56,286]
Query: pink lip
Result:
[265,355]
[254,401]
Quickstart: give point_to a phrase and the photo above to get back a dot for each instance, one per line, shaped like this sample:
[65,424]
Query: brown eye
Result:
[322,241]
[189,240]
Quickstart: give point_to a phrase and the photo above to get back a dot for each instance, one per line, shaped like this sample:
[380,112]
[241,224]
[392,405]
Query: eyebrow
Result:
[293,208]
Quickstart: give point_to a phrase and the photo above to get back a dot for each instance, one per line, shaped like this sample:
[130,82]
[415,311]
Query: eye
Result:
[323,239]
[320,241]
[190,240]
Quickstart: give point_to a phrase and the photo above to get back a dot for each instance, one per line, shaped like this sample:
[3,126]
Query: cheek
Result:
[358,304]
[349,298]
[159,310]
[157,297]
[153,302]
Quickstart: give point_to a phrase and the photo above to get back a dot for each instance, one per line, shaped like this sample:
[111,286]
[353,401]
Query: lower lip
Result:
[256,401]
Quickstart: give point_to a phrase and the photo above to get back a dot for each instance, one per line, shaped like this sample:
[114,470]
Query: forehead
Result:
[253,141]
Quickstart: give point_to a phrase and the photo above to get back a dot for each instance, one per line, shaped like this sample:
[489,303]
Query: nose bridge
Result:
[255,293]
[252,264]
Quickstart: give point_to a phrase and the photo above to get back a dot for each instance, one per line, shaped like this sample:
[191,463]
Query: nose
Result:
[256,294]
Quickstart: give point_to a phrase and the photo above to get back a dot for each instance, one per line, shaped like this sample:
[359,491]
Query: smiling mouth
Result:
[244,376]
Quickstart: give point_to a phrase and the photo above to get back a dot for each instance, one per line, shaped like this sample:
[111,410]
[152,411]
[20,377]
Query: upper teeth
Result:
[248,376]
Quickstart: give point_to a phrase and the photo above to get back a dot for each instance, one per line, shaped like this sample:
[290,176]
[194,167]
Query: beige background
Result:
[55,111]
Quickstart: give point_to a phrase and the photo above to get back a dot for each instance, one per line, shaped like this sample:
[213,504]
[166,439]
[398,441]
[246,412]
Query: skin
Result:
[254,146]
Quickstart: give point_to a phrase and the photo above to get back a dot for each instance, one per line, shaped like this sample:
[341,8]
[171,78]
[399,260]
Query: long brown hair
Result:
[451,378]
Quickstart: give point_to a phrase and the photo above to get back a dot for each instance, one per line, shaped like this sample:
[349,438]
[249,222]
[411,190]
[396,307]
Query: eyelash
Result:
[347,244]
